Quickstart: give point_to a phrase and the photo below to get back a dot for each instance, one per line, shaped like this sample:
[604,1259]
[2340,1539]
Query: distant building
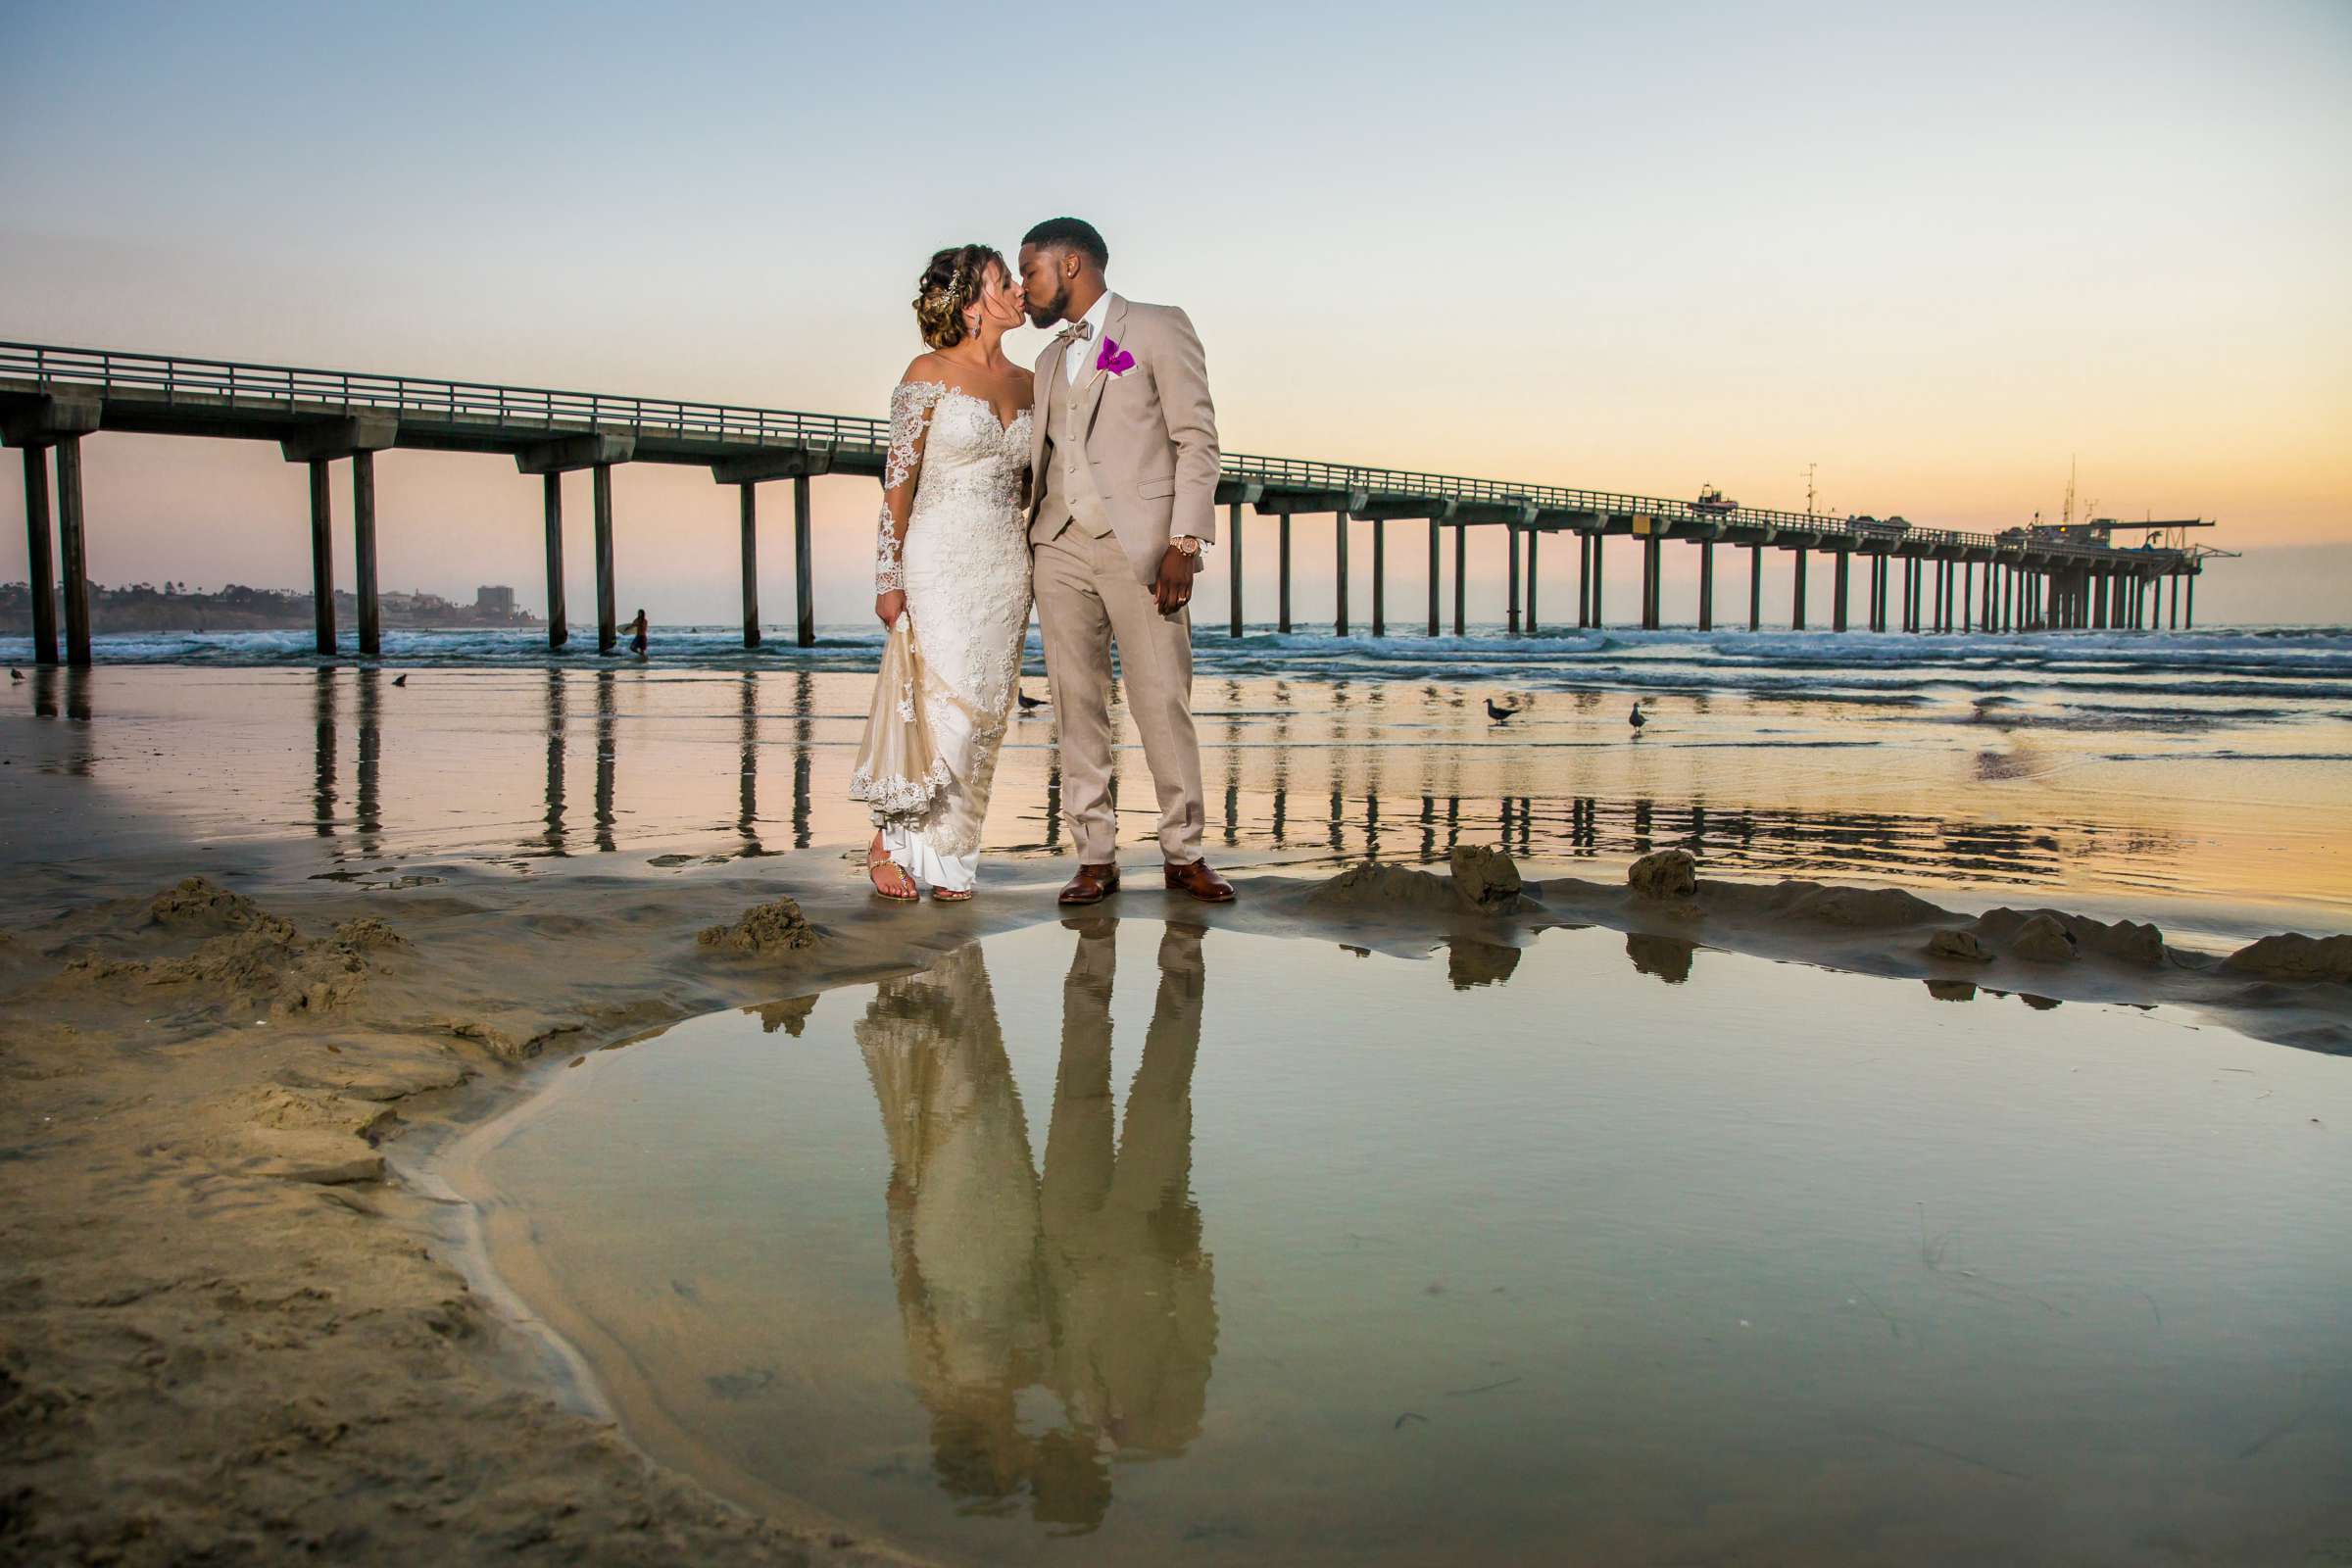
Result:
[497,601]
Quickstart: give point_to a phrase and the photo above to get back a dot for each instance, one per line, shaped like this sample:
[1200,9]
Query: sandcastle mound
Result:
[766,928]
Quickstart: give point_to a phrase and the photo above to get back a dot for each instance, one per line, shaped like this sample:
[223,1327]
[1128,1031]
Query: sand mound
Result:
[1485,878]
[766,928]
[2043,938]
[198,905]
[1483,881]
[1961,946]
[1666,874]
[254,963]
[1860,908]
[2126,939]
[2293,955]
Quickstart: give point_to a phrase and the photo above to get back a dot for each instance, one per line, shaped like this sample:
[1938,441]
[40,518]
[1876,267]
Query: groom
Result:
[1122,497]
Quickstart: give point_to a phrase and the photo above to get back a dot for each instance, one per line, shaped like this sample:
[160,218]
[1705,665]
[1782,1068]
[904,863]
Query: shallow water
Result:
[2085,775]
[1250,1250]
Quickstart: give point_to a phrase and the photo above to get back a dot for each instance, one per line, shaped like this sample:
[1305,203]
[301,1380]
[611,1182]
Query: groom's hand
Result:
[1173,588]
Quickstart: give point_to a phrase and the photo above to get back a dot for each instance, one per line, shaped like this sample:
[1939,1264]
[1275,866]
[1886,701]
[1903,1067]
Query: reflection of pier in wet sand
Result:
[1264,805]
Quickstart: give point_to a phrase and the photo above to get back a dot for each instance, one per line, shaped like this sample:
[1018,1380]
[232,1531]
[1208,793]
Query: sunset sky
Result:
[1938,256]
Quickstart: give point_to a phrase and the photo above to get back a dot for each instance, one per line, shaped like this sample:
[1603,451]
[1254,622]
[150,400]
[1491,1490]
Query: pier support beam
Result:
[1755,587]
[73,552]
[1233,567]
[1652,566]
[1597,578]
[322,556]
[1837,590]
[40,568]
[2188,618]
[1379,576]
[749,516]
[1584,579]
[1436,577]
[1707,585]
[1797,619]
[608,613]
[1535,537]
[804,565]
[1338,526]
[1283,597]
[363,551]
[1461,574]
[1510,539]
[558,628]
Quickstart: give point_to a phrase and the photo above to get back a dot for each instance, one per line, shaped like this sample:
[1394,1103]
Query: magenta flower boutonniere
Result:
[1113,360]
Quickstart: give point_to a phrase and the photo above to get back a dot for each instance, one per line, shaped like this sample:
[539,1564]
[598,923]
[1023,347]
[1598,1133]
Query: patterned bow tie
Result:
[1075,333]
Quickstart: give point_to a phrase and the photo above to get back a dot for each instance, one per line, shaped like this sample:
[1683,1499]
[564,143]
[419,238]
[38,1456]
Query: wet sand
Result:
[235,1318]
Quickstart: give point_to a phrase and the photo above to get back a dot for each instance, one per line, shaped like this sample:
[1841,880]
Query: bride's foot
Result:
[951,895]
[890,878]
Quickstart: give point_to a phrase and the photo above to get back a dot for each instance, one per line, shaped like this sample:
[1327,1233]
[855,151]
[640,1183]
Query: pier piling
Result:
[1598,581]
[1797,619]
[1837,590]
[608,611]
[1436,533]
[1339,528]
[72,552]
[552,493]
[1233,567]
[1755,587]
[1510,539]
[41,569]
[1461,577]
[804,565]
[323,555]
[1535,537]
[1707,585]
[363,551]
[749,506]
[1283,597]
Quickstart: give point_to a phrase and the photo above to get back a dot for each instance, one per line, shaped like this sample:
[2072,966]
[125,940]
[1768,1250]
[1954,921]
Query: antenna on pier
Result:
[2066,517]
[1809,468]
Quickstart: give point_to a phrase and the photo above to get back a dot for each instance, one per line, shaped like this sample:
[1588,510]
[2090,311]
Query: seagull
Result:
[400,680]
[13,674]
[1635,718]
[1501,715]
[1028,702]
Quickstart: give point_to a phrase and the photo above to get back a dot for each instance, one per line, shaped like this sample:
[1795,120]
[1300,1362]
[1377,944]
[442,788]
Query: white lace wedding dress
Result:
[951,536]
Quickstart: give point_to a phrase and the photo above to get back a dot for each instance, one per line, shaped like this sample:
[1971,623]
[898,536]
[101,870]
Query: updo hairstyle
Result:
[949,286]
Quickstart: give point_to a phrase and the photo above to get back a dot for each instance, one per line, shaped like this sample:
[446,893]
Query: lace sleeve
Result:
[911,409]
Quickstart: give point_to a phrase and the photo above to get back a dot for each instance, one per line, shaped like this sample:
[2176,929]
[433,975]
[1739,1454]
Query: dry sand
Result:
[235,1323]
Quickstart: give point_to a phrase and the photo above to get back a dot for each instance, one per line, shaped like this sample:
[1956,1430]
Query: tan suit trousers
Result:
[1086,594]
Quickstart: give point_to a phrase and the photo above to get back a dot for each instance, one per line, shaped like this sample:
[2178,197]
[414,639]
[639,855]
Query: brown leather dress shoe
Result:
[1091,885]
[1201,882]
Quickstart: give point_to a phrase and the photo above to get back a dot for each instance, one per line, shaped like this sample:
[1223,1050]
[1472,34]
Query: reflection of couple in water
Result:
[1087,1282]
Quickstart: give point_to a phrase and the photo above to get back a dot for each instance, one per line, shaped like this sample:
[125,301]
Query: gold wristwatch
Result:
[1186,544]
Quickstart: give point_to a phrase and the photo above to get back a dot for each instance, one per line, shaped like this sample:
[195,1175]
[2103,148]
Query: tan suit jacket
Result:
[1150,434]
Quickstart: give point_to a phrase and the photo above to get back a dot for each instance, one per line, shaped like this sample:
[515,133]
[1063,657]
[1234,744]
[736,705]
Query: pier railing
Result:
[175,380]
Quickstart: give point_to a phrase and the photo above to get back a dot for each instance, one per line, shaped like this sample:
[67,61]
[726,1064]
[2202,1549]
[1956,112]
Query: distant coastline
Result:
[145,607]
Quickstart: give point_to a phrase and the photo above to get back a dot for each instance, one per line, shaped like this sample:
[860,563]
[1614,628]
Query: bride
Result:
[951,581]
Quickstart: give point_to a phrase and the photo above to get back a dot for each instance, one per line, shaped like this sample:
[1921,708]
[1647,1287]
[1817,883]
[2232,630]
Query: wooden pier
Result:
[51,397]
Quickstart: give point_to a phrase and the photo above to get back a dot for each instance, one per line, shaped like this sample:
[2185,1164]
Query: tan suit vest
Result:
[1070,494]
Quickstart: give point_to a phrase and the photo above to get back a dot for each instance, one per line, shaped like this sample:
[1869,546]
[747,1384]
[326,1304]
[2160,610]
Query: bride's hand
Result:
[889,606]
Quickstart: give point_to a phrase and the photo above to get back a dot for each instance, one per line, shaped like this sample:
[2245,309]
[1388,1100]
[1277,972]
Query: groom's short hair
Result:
[1076,233]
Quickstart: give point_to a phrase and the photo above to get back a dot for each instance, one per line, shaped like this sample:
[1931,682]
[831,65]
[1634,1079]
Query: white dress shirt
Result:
[1081,354]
